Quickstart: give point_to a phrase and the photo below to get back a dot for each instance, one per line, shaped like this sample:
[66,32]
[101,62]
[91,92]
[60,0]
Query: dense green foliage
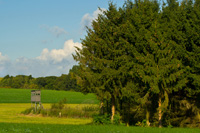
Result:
[143,62]
[64,82]
[47,96]
[52,128]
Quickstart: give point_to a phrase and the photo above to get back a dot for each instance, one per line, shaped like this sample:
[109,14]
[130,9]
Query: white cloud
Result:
[56,31]
[58,55]
[88,18]
[50,63]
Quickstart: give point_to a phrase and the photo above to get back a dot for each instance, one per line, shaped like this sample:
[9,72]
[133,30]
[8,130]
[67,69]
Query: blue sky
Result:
[37,37]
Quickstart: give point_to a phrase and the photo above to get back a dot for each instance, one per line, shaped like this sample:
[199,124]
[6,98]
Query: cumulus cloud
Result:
[58,55]
[38,68]
[55,30]
[50,63]
[88,18]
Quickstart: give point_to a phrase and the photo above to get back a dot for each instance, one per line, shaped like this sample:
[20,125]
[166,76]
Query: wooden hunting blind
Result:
[35,96]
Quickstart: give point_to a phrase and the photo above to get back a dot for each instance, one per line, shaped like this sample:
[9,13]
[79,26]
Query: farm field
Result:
[58,128]
[47,96]
[17,100]
[11,113]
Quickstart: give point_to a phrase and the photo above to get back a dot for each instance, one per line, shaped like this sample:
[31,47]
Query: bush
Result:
[31,111]
[117,119]
[28,111]
[101,119]
[142,124]
[106,119]
[59,106]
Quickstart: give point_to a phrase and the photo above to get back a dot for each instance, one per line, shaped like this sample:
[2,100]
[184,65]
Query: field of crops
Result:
[47,96]
[58,128]
[14,101]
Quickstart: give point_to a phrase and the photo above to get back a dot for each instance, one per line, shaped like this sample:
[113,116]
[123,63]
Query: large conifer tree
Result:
[102,57]
[143,55]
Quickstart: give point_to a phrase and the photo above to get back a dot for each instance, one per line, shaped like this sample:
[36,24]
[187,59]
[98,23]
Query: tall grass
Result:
[11,113]
[47,96]
[65,110]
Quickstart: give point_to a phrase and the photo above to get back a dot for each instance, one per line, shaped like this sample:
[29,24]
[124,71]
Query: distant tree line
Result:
[142,61]
[63,82]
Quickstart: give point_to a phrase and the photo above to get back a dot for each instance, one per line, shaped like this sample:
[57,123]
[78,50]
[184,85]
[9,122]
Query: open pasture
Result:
[47,96]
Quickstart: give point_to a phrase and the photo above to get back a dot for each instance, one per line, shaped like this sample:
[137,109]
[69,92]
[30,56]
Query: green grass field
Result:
[14,101]
[11,113]
[47,96]
[57,128]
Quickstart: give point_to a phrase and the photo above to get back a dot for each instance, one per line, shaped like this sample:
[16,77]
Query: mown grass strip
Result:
[47,96]
[11,113]
[55,128]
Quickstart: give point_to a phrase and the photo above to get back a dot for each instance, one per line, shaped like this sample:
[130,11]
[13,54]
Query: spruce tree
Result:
[102,57]
[155,63]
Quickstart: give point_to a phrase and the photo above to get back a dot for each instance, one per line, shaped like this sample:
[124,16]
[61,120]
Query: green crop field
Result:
[57,128]
[14,101]
[47,96]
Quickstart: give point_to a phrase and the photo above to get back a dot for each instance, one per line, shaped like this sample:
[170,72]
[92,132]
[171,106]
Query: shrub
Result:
[28,111]
[117,119]
[101,119]
[142,124]
[60,105]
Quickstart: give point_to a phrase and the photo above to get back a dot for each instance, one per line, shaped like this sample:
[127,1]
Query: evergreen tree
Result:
[145,59]
[102,57]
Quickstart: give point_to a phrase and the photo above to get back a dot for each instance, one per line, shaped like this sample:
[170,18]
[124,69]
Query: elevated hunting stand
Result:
[36,98]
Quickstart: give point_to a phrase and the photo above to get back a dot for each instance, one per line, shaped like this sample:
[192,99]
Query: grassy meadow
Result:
[11,113]
[14,101]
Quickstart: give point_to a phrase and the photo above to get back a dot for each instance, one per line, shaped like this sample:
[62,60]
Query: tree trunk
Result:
[159,112]
[107,106]
[101,108]
[113,108]
[147,117]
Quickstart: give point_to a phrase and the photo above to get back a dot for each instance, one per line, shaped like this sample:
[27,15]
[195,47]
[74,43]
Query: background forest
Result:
[64,82]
